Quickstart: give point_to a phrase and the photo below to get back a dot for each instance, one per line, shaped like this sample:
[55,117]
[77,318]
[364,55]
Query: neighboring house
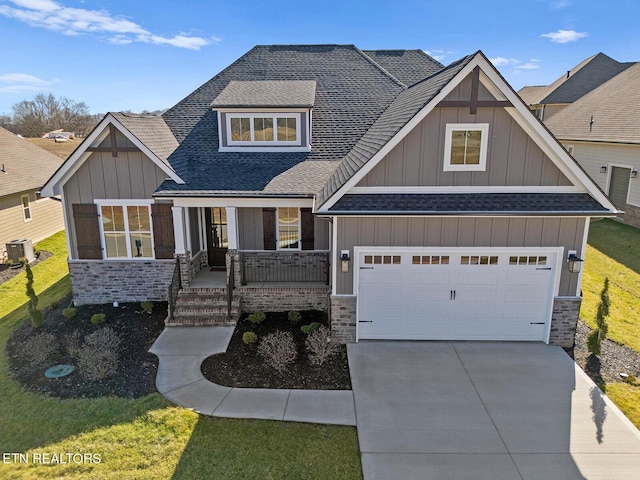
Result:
[24,214]
[548,100]
[602,132]
[411,200]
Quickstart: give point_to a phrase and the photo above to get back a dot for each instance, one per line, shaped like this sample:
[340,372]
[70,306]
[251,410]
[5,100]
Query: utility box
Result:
[17,249]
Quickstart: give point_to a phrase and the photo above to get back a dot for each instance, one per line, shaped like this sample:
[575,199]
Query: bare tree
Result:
[45,113]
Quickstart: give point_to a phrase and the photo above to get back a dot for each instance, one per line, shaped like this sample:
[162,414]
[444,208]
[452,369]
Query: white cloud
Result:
[501,61]
[22,82]
[532,64]
[564,36]
[438,55]
[75,21]
[559,4]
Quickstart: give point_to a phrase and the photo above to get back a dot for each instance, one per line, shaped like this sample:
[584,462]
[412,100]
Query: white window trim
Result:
[26,207]
[484,141]
[124,204]
[278,248]
[274,116]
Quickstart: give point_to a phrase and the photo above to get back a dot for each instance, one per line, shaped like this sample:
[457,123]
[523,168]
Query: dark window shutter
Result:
[269,228]
[306,222]
[85,220]
[163,240]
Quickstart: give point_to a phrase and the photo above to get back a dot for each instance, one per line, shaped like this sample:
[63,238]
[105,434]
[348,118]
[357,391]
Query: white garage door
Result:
[462,294]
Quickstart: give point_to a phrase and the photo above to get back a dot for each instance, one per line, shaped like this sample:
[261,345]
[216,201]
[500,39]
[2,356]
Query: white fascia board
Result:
[79,156]
[241,202]
[457,190]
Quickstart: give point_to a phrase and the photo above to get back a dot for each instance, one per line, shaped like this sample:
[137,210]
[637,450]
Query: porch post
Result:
[179,229]
[232,227]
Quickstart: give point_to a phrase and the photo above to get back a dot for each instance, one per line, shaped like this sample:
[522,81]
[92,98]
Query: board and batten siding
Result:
[130,175]
[513,158]
[46,218]
[459,232]
[592,156]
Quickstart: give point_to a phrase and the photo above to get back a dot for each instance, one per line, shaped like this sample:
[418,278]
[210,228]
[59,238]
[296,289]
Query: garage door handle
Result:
[452,294]
[547,268]
[365,321]
[537,323]
[366,268]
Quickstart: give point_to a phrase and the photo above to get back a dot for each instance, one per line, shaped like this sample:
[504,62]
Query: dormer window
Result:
[263,129]
[266,115]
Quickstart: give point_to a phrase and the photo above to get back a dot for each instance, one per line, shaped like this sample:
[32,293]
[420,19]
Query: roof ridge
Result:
[379,67]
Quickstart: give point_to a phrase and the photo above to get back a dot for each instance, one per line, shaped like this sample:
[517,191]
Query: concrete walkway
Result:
[181,351]
[485,411]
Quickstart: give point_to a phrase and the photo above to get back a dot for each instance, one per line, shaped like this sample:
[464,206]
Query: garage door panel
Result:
[475,295]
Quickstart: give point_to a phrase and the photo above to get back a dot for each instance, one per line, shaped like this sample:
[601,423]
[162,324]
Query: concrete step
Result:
[204,299]
[200,321]
[197,310]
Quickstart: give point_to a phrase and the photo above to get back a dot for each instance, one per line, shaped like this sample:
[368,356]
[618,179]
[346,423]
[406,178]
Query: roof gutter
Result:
[432,213]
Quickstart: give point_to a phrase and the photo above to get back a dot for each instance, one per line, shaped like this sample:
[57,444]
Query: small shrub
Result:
[34,313]
[98,357]
[294,316]
[278,350]
[257,317]
[249,337]
[147,307]
[98,318]
[69,312]
[312,327]
[55,304]
[597,336]
[39,350]
[74,343]
[23,260]
[320,346]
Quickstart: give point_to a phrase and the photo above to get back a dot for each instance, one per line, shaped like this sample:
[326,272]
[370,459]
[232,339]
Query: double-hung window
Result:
[465,146]
[288,228]
[126,230]
[263,129]
[26,208]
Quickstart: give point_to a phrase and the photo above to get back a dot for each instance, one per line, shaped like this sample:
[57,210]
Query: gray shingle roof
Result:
[352,91]
[469,203]
[614,106]
[152,131]
[406,105]
[267,93]
[583,78]
[26,165]
[408,66]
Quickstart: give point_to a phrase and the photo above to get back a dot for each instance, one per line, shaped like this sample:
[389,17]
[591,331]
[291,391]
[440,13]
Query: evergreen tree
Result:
[597,336]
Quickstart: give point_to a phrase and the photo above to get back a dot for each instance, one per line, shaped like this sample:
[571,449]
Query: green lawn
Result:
[612,252]
[148,438]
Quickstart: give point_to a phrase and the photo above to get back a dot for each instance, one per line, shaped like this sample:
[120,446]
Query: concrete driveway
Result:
[482,410]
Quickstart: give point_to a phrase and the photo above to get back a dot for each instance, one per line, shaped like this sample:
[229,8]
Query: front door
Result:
[217,239]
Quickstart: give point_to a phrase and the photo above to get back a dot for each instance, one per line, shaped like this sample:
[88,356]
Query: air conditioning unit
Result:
[17,249]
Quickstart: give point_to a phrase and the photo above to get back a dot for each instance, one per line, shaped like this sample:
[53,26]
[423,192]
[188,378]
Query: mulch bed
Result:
[242,366]
[136,371]
[613,360]
[7,272]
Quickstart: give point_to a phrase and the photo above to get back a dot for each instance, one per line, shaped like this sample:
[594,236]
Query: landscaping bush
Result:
[69,312]
[98,357]
[320,346]
[74,343]
[98,318]
[147,307]
[294,316]
[597,336]
[278,350]
[257,317]
[34,313]
[40,350]
[249,337]
[312,327]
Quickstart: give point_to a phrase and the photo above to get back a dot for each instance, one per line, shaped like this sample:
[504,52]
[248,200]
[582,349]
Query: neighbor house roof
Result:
[577,82]
[610,113]
[267,93]
[23,165]
[351,93]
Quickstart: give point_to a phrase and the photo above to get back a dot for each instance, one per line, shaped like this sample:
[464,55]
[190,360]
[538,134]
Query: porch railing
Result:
[294,267]
[174,287]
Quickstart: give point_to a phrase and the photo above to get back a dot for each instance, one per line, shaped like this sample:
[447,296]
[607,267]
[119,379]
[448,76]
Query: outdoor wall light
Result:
[344,260]
[573,262]
[634,173]
[603,169]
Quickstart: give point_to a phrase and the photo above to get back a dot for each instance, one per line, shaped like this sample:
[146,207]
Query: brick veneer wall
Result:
[283,299]
[343,318]
[564,320]
[95,282]
[631,215]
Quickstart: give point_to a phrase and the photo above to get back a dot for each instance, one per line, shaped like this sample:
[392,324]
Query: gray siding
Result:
[131,175]
[460,232]
[513,159]
[463,91]
[251,235]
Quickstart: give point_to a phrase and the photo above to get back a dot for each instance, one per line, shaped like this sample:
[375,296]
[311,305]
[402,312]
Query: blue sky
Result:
[147,55]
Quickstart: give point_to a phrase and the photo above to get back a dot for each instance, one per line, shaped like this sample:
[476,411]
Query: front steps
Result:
[204,307]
